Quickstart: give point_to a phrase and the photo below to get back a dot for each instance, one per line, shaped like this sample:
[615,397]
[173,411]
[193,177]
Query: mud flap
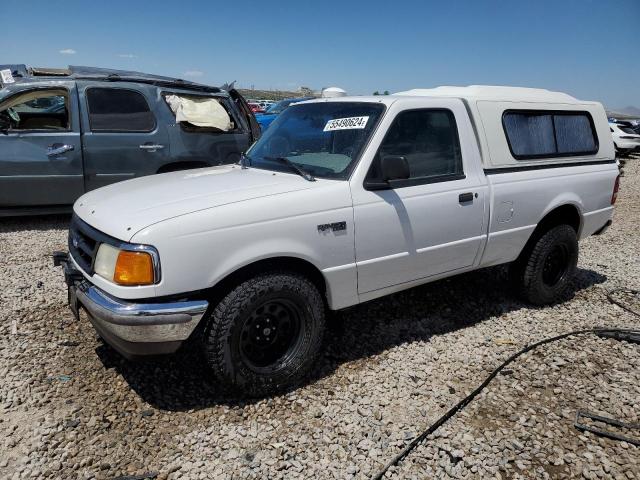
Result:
[73,302]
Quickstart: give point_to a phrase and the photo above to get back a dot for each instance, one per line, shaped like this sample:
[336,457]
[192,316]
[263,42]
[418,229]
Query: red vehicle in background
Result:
[256,107]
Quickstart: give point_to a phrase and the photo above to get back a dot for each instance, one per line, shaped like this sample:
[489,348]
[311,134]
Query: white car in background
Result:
[625,139]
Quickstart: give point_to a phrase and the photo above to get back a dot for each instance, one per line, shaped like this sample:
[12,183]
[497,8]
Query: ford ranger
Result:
[341,201]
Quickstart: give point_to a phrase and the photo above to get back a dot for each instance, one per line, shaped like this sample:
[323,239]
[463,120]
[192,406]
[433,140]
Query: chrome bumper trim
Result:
[140,322]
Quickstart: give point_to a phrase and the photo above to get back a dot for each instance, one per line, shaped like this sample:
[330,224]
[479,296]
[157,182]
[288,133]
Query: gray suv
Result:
[64,132]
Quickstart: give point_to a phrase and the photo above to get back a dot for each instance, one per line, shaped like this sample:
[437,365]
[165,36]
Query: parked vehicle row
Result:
[255,107]
[261,104]
[66,132]
[626,138]
[265,119]
[341,201]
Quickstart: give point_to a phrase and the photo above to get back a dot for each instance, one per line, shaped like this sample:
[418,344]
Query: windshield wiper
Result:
[294,166]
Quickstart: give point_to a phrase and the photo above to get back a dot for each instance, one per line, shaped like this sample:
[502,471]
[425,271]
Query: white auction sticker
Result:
[346,123]
[6,76]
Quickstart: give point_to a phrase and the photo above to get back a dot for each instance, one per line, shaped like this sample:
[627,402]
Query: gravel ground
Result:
[72,408]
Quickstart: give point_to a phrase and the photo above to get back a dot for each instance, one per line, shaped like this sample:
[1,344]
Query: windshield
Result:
[324,139]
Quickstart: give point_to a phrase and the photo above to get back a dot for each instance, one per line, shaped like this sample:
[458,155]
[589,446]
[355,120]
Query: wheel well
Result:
[176,166]
[288,264]
[563,215]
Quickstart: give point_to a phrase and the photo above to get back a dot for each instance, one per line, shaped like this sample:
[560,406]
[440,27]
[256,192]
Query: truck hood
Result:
[122,209]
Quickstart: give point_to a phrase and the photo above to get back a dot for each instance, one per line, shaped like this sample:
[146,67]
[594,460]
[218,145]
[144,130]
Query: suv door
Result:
[432,222]
[122,137]
[40,153]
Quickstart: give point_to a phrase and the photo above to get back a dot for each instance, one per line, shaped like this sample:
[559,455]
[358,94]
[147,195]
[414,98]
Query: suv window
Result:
[428,139]
[538,134]
[37,110]
[119,110]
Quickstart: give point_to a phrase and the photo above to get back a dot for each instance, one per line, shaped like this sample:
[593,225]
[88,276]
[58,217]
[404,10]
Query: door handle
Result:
[58,149]
[151,147]
[465,197]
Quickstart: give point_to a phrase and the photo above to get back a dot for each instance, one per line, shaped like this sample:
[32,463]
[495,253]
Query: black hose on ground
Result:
[619,303]
[465,401]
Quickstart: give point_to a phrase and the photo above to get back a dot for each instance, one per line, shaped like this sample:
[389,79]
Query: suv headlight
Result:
[137,265]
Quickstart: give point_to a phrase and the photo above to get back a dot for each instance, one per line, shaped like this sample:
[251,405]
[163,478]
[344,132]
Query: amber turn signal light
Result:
[133,268]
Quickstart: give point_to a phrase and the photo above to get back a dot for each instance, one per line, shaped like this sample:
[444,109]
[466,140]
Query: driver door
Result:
[41,154]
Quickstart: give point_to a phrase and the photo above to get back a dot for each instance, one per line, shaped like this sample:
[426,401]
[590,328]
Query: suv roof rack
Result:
[49,72]
[107,75]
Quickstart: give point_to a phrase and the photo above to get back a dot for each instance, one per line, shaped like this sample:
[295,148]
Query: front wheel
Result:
[265,334]
[544,275]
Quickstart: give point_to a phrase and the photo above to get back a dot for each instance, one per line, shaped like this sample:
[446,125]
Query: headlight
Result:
[125,267]
[105,264]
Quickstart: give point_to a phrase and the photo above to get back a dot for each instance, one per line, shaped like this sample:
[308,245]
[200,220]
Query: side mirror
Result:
[394,167]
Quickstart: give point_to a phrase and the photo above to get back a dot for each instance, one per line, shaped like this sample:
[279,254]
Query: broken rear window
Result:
[197,112]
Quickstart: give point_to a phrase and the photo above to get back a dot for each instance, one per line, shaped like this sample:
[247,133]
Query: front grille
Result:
[82,246]
[84,241]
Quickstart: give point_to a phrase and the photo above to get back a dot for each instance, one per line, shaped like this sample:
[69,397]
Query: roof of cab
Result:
[24,74]
[493,92]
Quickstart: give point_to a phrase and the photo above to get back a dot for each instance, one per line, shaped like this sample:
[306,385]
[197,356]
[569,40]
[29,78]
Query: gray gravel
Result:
[72,408]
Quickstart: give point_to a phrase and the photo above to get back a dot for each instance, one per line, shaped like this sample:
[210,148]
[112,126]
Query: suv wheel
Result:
[543,275]
[265,334]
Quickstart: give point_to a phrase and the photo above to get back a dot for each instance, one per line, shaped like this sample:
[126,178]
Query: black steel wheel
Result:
[555,265]
[543,273]
[265,333]
[270,334]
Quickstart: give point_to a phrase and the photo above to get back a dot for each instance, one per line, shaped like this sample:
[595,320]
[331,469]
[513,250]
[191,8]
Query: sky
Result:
[587,48]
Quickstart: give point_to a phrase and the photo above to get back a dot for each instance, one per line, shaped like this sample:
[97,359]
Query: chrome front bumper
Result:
[133,329]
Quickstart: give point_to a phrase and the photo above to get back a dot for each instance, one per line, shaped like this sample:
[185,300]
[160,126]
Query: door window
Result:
[119,110]
[428,140]
[37,110]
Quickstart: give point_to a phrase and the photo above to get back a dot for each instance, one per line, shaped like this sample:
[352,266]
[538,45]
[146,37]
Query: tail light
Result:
[616,187]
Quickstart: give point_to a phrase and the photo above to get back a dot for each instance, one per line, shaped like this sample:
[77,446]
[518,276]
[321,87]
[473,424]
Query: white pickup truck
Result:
[341,201]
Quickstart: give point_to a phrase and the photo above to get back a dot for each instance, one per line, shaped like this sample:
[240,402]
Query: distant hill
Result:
[631,111]
[626,112]
[271,94]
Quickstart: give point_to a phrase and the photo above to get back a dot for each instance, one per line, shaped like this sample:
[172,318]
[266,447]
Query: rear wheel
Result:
[265,334]
[544,274]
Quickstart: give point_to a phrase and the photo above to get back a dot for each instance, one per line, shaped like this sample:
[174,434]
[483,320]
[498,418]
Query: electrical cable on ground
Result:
[619,303]
[465,401]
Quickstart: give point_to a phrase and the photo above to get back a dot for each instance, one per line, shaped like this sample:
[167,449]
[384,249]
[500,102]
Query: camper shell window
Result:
[533,134]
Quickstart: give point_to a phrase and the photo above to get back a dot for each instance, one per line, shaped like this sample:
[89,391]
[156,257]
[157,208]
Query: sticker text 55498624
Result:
[346,123]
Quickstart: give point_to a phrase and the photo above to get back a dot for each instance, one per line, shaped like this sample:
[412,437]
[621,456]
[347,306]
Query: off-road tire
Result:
[222,343]
[529,273]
